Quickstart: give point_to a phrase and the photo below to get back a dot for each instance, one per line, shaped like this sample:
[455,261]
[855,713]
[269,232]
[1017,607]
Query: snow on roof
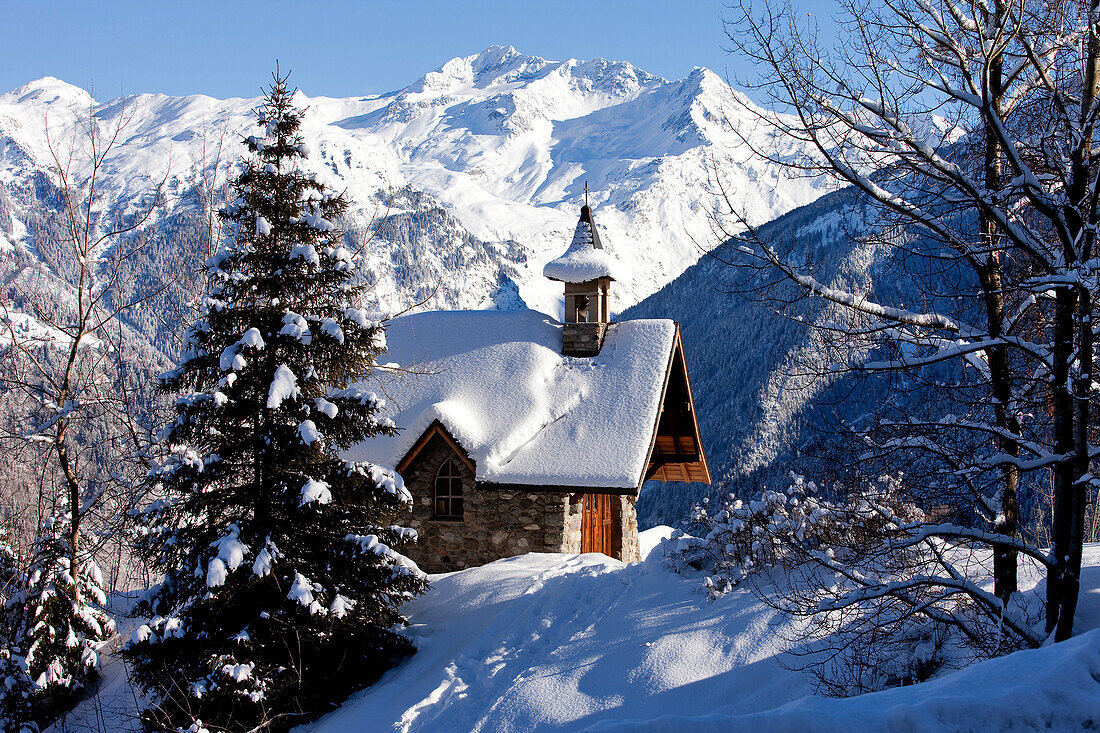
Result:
[523,412]
[585,259]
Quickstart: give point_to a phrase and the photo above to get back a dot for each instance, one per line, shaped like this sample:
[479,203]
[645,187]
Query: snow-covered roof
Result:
[523,412]
[585,259]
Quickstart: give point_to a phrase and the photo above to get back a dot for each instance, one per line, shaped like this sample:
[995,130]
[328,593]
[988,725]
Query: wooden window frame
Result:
[448,499]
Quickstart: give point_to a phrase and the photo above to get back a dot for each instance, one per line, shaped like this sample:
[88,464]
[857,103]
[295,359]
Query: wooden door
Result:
[597,525]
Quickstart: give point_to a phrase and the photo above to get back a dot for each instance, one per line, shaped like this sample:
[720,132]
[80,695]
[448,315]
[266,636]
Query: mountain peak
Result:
[493,65]
[50,90]
[498,65]
[495,54]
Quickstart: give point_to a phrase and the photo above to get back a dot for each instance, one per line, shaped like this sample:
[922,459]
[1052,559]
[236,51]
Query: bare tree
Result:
[75,415]
[969,127]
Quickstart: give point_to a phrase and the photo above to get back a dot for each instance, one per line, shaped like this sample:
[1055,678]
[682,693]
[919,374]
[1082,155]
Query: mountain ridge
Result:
[501,141]
[463,185]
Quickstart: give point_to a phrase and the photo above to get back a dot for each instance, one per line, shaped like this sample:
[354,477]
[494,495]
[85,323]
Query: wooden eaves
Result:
[676,449]
[436,428]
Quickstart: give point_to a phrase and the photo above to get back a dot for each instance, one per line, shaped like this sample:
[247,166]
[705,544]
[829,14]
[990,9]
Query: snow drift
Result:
[581,642]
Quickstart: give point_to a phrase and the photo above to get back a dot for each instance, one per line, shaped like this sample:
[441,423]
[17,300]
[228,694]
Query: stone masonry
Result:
[631,550]
[498,523]
[582,339]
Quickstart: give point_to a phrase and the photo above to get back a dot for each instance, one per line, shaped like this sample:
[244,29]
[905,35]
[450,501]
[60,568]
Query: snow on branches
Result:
[54,626]
[268,613]
[887,596]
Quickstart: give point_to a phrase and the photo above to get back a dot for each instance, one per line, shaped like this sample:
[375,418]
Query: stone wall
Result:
[496,523]
[631,550]
[572,525]
[582,339]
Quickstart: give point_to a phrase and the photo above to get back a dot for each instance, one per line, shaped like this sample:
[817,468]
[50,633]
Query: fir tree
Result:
[54,626]
[282,575]
[15,687]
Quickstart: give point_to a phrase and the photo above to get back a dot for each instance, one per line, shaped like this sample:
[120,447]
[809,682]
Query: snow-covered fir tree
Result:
[54,625]
[15,688]
[282,571]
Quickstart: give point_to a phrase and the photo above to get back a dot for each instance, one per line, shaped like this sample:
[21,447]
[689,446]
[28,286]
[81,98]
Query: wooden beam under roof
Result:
[676,452]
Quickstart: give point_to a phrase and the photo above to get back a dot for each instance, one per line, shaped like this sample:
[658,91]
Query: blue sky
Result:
[340,47]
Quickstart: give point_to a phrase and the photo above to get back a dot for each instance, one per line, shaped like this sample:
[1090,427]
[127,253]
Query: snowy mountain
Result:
[478,168]
[767,401]
[472,177]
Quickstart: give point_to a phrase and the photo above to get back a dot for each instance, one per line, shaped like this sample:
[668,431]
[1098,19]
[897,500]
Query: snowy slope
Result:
[500,141]
[753,392]
[1054,689]
[766,402]
[559,642]
[581,642]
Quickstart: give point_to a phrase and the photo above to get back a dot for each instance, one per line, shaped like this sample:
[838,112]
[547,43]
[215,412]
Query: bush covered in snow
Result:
[52,627]
[887,597]
[745,537]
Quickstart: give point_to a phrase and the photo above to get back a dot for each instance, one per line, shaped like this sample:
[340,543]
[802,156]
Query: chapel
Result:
[522,434]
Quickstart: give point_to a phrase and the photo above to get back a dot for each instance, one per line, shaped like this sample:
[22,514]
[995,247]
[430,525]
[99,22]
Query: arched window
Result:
[448,491]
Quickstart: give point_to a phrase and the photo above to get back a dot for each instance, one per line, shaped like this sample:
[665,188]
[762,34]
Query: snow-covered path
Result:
[559,642]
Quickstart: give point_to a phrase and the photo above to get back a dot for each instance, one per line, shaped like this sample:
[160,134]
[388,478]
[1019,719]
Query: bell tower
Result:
[587,270]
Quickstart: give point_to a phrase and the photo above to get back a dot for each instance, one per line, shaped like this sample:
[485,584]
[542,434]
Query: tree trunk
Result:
[1073,320]
[1064,479]
[73,497]
[1076,515]
[1006,507]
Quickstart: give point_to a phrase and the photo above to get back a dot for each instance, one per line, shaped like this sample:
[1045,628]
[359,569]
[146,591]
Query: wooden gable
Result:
[436,428]
[676,453]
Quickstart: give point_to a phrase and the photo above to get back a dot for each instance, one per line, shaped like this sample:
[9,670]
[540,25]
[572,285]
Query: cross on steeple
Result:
[586,193]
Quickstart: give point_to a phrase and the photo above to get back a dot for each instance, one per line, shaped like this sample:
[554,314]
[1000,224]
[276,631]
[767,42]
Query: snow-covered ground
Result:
[1055,689]
[583,642]
[545,641]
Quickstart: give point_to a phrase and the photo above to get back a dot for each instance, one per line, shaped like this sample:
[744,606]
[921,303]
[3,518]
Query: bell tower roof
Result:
[586,258]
